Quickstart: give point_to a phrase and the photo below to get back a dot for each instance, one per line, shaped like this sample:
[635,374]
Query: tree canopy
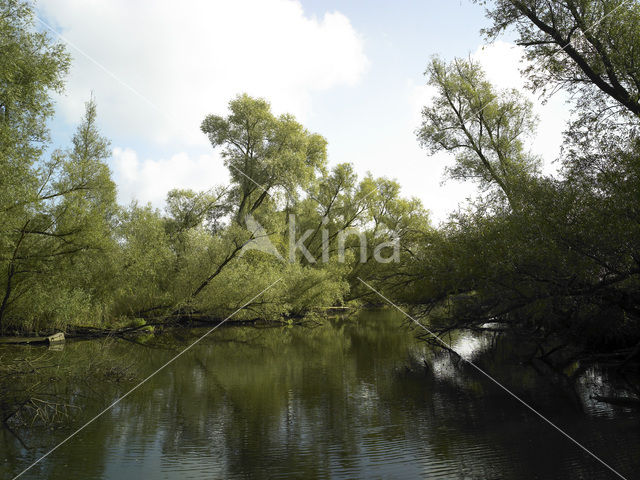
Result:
[555,258]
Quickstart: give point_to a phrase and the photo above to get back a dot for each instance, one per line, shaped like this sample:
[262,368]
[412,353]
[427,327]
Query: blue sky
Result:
[349,70]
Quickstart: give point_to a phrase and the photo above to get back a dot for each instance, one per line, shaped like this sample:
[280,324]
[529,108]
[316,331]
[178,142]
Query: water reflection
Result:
[354,398]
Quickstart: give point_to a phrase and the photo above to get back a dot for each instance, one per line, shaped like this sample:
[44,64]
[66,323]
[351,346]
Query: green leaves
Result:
[587,47]
[559,258]
[484,128]
[266,155]
[32,68]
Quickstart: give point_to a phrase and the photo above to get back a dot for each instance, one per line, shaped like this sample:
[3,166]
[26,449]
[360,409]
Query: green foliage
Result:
[264,153]
[56,213]
[144,263]
[563,261]
[69,256]
[583,46]
[484,128]
[187,209]
[32,67]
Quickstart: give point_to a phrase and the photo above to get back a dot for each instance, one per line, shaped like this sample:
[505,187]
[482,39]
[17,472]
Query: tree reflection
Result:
[353,397]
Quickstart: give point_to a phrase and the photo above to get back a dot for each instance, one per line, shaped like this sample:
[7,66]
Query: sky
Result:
[349,70]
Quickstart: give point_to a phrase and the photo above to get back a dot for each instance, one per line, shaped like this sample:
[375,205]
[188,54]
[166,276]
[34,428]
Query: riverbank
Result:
[142,326]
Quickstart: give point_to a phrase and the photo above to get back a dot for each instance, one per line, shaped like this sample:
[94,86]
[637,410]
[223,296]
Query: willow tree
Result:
[31,67]
[563,261]
[485,128]
[59,240]
[270,159]
[582,46]
[591,49]
[266,154]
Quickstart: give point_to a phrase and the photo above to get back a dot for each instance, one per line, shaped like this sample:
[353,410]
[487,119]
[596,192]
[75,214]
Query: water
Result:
[357,397]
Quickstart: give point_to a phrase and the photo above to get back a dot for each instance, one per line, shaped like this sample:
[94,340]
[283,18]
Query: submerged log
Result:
[51,339]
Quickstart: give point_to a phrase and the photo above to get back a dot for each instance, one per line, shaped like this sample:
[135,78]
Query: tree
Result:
[561,265]
[188,209]
[54,238]
[264,153]
[87,193]
[583,46]
[483,127]
[31,68]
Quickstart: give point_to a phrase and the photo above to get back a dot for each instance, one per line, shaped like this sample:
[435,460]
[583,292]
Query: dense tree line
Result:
[556,258]
[71,256]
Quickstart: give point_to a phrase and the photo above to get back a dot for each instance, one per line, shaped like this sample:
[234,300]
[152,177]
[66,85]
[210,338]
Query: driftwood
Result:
[51,339]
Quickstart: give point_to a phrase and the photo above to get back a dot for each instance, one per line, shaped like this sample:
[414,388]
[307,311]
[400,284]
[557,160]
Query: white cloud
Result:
[149,180]
[190,58]
[158,67]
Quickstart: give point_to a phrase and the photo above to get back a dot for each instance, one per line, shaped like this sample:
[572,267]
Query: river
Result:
[354,397]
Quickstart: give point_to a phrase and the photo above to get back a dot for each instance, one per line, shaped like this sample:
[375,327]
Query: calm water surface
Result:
[357,397]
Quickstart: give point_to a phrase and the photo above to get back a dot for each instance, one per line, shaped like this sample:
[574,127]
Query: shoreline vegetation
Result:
[36,381]
[553,259]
